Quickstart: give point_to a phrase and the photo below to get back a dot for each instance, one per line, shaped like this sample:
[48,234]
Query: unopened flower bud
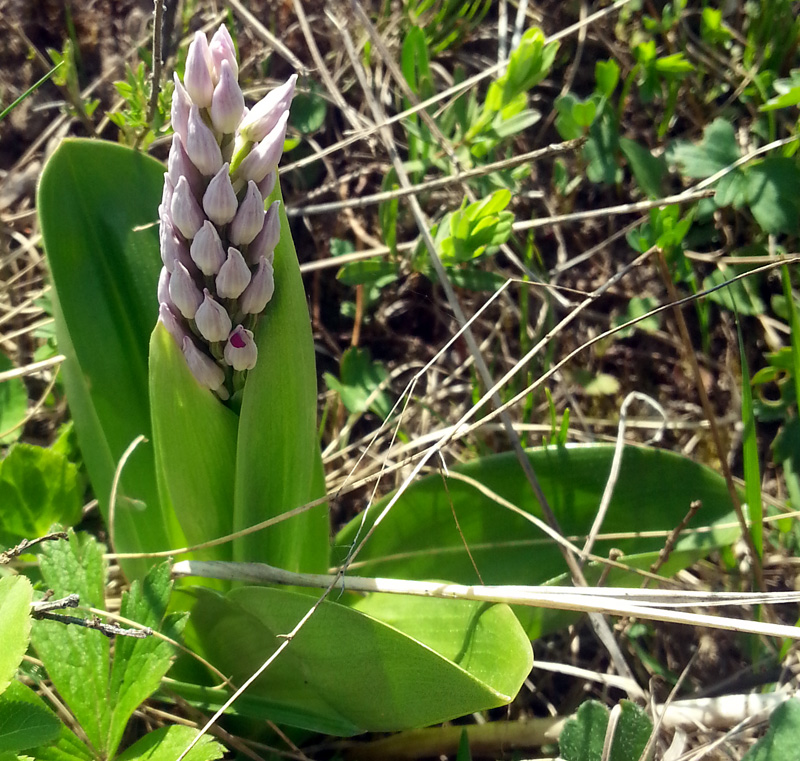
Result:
[219,200]
[207,372]
[212,320]
[206,250]
[228,102]
[234,275]
[162,291]
[249,217]
[265,155]
[186,213]
[241,352]
[171,322]
[263,245]
[263,117]
[184,292]
[179,112]
[267,185]
[166,196]
[222,49]
[262,285]
[180,165]
[201,146]
[197,76]
[174,250]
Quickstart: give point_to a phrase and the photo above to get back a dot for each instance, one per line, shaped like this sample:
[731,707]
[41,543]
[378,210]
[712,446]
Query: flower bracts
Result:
[217,241]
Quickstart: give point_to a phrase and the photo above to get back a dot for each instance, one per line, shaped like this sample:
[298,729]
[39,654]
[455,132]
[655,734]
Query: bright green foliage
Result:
[13,404]
[101,694]
[132,121]
[780,742]
[359,380]
[102,249]
[25,722]
[347,672]
[38,487]
[446,22]
[583,737]
[167,743]
[418,538]
[15,625]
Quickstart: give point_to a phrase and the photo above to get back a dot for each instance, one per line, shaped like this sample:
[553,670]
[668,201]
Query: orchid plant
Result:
[223,390]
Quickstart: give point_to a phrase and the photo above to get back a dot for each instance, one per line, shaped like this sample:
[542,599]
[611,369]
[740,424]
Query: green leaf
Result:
[346,672]
[15,625]
[418,539]
[780,742]
[772,194]
[606,75]
[278,464]
[140,664]
[167,743]
[76,658]
[740,296]
[583,112]
[24,723]
[13,404]
[637,307]
[752,470]
[38,487]
[194,437]
[369,271]
[360,377]
[648,169]
[582,737]
[717,150]
[600,150]
[97,204]
[308,111]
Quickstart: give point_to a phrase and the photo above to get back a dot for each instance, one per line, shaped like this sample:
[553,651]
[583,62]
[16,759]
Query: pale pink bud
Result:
[228,102]
[162,292]
[212,320]
[179,113]
[222,49]
[174,250]
[219,200]
[206,250]
[267,185]
[180,165]
[207,372]
[186,213]
[201,145]
[249,218]
[265,155]
[262,285]
[263,245]
[184,292]
[170,321]
[197,76]
[166,194]
[241,352]
[234,275]
[263,117]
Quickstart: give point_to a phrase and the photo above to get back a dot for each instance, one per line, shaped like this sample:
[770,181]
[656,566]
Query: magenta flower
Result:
[217,242]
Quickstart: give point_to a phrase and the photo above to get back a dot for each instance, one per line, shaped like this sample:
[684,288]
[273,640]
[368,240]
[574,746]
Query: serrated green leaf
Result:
[15,625]
[97,203]
[140,664]
[24,723]
[349,672]
[167,743]
[717,150]
[38,487]
[13,404]
[278,463]
[76,658]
